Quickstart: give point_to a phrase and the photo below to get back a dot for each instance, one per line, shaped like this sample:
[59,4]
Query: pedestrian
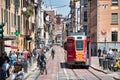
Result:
[2,72]
[17,70]
[26,61]
[35,53]
[13,58]
[10,53]
[41,50]
[30,58]
[40,60]
[110,54]
[104,52]
[52,53]
[99,52]
[22,59]
[7,64]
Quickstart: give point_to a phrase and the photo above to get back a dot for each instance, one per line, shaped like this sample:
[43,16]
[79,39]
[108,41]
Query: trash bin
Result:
[101,61]
[105,64]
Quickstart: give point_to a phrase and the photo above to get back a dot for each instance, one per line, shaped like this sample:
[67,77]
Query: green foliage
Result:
[29,12]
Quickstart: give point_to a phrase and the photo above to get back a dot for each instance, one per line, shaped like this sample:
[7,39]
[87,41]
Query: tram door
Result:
[88,52]
[71,50]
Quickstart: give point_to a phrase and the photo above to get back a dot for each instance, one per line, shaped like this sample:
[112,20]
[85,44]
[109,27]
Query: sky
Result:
[61,6]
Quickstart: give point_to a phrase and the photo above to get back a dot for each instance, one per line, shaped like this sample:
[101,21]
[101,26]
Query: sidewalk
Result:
[31,69]
[95,65]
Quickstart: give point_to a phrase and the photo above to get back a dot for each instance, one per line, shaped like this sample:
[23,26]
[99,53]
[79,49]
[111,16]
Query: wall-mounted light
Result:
[24,9]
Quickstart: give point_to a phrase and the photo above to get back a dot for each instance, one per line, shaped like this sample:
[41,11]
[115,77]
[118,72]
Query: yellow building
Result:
[19,24]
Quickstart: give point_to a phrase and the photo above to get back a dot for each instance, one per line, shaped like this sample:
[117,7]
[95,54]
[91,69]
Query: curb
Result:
[103,72]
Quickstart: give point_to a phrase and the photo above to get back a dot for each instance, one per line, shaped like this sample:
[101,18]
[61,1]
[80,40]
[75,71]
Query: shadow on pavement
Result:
[64,65]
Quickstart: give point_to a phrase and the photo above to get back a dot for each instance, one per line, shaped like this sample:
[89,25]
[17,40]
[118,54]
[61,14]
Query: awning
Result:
[11,46]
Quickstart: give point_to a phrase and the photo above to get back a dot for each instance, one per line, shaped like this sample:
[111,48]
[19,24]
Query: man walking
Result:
[52,53]
[99,52]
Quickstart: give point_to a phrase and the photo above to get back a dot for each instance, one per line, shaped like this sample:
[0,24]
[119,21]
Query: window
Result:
[114,36]
[114,18]
[2,14]
[7,4]
[114,2]
[79,45]
[85,29]
[14,19]
[19,23]
[85,16]
[85,3]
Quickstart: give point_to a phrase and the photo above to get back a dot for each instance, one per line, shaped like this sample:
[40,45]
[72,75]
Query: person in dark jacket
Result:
[99,52]
[6,58]
[2,72]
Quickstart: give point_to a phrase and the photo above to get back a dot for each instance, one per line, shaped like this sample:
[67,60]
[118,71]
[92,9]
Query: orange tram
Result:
[78,50]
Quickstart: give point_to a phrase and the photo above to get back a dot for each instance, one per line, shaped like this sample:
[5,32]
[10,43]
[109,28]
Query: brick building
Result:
[104,24]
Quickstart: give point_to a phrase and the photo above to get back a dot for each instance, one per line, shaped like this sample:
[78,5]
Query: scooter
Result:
[115,66]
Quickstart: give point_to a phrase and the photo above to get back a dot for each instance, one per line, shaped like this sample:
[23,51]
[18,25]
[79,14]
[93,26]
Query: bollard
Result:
[105,64]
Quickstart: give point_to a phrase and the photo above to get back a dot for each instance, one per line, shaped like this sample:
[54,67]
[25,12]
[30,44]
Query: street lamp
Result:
[24,9]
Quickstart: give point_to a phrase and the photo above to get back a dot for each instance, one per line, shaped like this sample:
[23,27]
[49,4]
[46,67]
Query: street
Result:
[57,70]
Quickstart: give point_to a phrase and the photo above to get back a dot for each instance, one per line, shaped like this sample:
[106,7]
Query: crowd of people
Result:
[15,64]
[108,54]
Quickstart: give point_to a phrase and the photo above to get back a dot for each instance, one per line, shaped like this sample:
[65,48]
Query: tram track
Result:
[84,74]
[77,73]
[95,75]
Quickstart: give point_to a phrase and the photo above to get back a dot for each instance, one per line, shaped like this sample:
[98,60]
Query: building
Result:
[49,25]
[104,24]
[19,19]
[79,15]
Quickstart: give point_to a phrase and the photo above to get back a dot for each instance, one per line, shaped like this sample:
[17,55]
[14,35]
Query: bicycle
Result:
[42,67]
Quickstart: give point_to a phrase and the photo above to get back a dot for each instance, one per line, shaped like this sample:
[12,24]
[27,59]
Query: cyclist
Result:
[41,58]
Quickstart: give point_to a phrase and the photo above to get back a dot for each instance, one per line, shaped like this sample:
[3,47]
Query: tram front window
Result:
[79,45]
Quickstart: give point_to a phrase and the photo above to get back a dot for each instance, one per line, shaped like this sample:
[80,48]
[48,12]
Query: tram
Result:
[78,50]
